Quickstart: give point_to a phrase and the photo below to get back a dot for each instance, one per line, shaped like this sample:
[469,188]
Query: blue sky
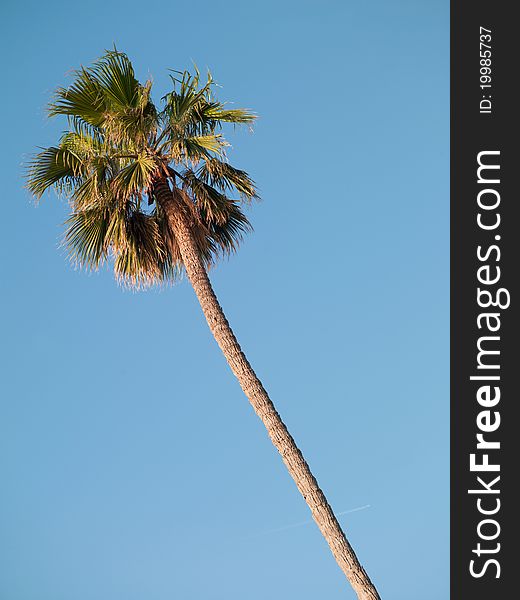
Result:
[131,464]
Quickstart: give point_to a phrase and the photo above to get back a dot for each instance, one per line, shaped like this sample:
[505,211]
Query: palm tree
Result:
[151,191]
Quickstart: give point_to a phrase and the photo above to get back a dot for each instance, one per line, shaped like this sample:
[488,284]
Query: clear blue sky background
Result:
[131,465]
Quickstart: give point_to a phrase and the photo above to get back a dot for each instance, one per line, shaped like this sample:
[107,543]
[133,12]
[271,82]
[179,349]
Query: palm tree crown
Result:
[118,145]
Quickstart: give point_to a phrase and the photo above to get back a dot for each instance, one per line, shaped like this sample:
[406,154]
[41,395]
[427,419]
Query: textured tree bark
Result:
[263,406]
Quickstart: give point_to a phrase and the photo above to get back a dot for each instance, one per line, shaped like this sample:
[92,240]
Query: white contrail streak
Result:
[308,521]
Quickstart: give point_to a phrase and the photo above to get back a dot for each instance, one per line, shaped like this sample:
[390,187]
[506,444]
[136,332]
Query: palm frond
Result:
[115,76]
[206,198]
[190,109]
[226,237]
[135,177]
[91,191]
[83,144]
[84,100]
[211,143]
[186,95]
[86,236]
[144,259]
[108,95]
[59,167]
[221,174]
[192,149]
[218,112]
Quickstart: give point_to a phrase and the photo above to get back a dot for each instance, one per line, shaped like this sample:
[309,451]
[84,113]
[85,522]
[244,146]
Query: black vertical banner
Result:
[485,256]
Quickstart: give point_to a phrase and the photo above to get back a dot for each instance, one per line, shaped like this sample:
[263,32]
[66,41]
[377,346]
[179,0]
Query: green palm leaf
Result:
[53,167]
[86,237]
[217,112]
[222,175]
[115,75]
[83,100]
[135,177]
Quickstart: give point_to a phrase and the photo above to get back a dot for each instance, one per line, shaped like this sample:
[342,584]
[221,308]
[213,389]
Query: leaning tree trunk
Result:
[298,468]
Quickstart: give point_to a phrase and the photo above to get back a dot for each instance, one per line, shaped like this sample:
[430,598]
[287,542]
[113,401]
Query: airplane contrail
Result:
[307,522]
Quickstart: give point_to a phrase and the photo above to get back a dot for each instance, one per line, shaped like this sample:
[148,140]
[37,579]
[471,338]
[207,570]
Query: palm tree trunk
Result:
[264,408]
